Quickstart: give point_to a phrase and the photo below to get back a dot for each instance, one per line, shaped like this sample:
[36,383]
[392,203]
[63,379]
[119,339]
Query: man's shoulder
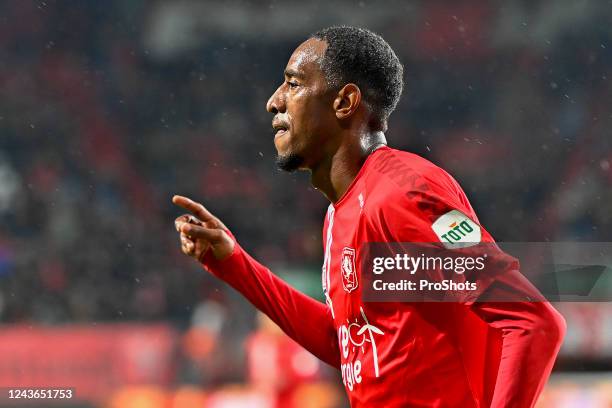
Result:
[410,194]
[399,173]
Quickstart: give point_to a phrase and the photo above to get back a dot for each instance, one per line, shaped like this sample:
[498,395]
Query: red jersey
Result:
[401,354]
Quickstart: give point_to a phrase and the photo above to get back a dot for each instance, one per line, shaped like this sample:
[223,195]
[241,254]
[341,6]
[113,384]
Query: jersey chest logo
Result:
[348,270]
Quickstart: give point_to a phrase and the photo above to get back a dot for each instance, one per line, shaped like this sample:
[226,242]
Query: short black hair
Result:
[360,56]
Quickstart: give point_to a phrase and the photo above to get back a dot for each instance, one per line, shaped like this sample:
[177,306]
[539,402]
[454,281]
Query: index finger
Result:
[196,208]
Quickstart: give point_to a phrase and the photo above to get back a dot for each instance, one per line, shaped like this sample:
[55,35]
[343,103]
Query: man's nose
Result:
[276,103]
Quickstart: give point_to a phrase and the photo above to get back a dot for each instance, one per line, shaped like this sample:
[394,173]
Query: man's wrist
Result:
[219,266]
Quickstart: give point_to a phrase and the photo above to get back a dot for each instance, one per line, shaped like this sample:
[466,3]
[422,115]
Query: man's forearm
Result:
[304,319]
[532,333]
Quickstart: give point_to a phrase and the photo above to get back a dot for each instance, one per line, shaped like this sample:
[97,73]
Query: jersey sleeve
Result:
[531,332]
[428,203]
[304,319]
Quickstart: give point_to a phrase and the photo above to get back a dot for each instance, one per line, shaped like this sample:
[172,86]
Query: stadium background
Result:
[109,108]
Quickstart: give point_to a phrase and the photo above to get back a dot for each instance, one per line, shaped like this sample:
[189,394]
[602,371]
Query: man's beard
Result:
[290,162]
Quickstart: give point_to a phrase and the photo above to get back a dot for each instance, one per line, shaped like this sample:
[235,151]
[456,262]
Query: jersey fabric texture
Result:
[405,354]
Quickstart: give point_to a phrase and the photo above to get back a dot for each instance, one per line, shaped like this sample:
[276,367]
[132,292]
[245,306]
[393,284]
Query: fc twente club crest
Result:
[349,272]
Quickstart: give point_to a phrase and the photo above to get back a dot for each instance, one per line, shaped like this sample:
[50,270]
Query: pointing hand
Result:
[201,231]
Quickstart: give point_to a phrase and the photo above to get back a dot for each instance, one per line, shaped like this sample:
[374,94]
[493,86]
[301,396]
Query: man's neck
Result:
[335,174]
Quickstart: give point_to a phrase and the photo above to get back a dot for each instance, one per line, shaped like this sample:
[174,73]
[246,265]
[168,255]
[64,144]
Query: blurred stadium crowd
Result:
[109,108]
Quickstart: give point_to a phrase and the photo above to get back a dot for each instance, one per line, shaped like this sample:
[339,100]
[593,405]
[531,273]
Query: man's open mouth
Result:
[280,130]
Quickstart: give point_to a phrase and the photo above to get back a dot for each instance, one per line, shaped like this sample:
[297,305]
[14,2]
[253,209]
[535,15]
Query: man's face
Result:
[303,109]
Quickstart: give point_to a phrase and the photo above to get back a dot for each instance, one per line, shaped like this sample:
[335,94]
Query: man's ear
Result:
[347,101]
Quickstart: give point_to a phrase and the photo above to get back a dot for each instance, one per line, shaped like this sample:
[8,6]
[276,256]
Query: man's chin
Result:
[289,162]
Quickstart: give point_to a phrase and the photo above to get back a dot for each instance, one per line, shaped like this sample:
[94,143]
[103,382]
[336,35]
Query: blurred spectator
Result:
[278,366]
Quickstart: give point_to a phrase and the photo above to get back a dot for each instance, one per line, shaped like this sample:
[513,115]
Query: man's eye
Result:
[292,84]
